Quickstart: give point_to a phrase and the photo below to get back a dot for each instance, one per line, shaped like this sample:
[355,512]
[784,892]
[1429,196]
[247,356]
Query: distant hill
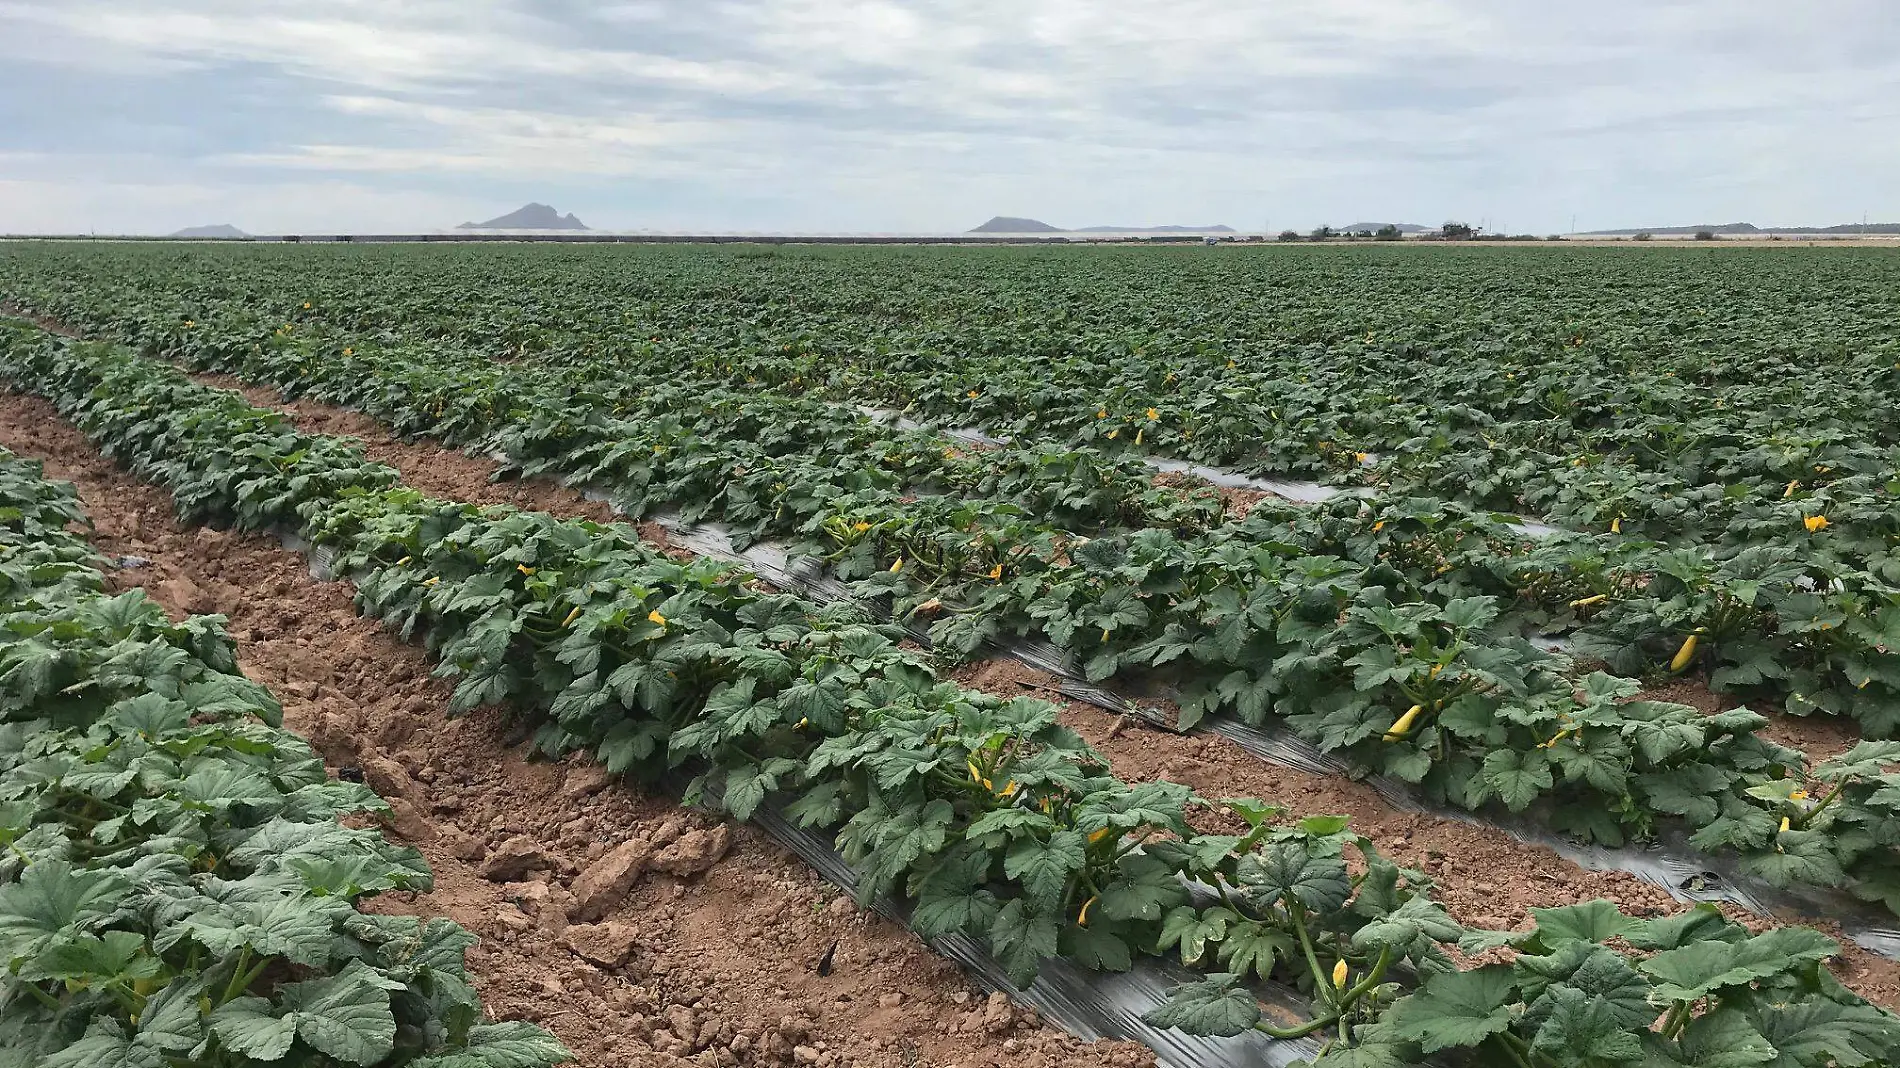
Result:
[1007,224]
[1215,229]
[530,217]
[219,230]
[1751,228]
[1404,228]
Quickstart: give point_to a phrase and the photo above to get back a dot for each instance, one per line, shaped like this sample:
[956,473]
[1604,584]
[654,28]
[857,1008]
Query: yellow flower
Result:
[1362,457]
[306,305]
[1377,527]
[524,569]
[997,571]
[347,351]
[655,617]
[1814,523]
[1097,836]
[972,394]
[189,324]
[1153,415]
[1103,414]
[860,526]
[1339,976]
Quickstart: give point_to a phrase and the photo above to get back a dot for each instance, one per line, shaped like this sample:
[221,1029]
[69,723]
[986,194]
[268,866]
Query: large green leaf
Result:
[53,897]
[1701,968]
[1288,871]
[1457,1008]
[1218,1005]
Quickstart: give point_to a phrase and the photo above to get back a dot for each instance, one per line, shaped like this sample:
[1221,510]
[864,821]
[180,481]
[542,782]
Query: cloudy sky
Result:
[932,115]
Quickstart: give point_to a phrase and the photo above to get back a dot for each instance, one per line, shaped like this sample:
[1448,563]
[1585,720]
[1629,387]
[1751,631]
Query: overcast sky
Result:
[932,115]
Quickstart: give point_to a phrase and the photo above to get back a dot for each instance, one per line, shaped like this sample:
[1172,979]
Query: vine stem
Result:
[1298,912]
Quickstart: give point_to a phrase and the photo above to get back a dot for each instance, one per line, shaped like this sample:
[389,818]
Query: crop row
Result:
[1381,631]
[1794,604]
[177,889]
[993,819]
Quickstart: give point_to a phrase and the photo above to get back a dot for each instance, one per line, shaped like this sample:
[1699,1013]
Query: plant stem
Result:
[237,975]
[1320,985]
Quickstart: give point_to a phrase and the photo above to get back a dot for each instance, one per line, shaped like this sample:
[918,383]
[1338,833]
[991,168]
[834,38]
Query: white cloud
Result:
[876,114]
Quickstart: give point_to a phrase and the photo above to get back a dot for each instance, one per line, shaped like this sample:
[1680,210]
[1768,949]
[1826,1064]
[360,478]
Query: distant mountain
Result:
[1404,228]
[1215,229]
[1006,224]
[530,217]
[1751,228]
[219,230]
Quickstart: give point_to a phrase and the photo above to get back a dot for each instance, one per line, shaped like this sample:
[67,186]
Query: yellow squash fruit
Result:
[1404,726]
[1683,655]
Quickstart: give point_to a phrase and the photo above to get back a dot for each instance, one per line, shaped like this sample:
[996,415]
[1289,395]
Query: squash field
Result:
[1566,541]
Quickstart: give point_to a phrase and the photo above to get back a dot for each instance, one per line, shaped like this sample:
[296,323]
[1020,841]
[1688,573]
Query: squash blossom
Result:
[1814,523]
[997,571]
[1339,976]
[1096,836]
[655,617]
[1153,414]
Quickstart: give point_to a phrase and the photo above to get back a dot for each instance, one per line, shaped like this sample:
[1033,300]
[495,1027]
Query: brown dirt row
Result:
[1485,877]
[640,933]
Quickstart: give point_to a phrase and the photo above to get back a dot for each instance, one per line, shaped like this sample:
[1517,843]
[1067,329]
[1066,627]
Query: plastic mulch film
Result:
[1086,1003]
[1684,872]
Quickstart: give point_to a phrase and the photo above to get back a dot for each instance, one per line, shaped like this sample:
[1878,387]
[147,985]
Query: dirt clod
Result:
[604,884]
[514,858]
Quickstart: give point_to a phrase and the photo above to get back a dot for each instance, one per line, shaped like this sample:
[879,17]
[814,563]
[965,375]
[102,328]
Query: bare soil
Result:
[1485,877]
[639,932]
